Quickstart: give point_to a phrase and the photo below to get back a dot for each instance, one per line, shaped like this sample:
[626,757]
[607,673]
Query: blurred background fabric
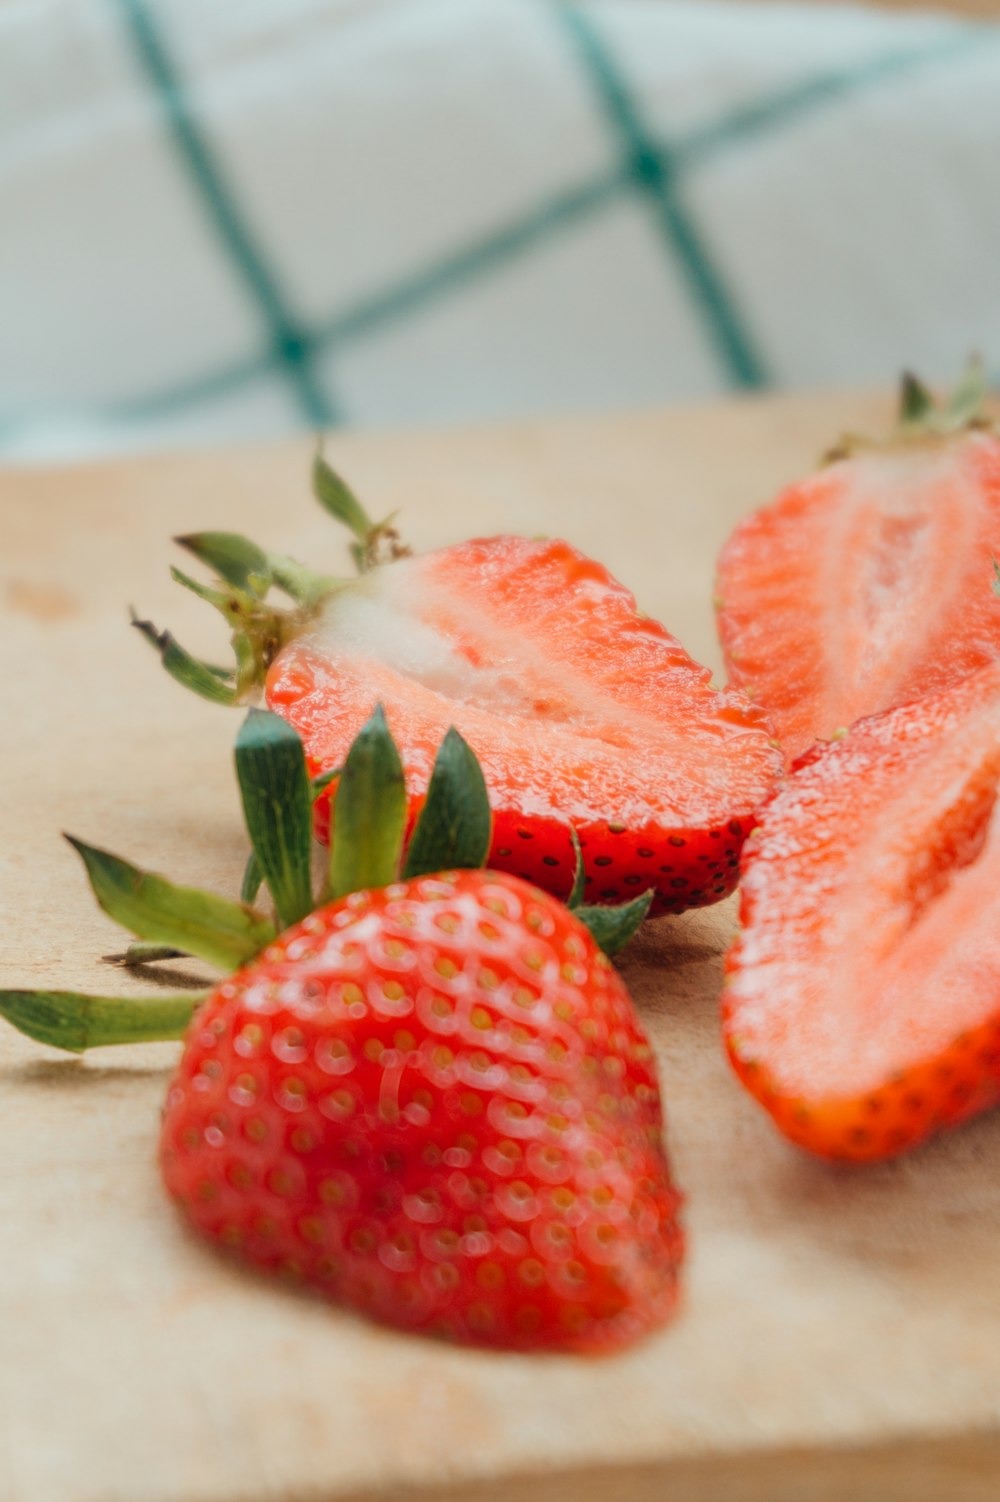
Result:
[238,219]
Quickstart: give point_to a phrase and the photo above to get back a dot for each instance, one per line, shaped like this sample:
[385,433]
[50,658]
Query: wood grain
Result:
[840,1336]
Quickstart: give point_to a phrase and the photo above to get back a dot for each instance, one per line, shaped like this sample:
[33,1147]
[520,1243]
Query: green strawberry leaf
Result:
[369,813]
[224,933]
[144,954]
[75,1022]
[202,678]
[612,927]
[336,496]
[915,401]
[967,396]
[277,805]
[323,780]
[234,558]
[232,603]
[253,879]
[253,874]
[455,824]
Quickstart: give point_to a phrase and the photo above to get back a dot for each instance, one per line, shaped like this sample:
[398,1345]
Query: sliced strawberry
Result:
[867,584]
[581,711]
[862,1001]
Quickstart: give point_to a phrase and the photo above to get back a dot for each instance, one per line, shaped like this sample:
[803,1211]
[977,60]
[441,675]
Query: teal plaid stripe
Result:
[652,166]
[289,345]
[647,167]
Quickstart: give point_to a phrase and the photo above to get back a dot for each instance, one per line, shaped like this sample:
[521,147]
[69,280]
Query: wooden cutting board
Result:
[840,1335]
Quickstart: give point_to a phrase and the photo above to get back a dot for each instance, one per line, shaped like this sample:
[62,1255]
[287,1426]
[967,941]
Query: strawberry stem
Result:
[75,1022]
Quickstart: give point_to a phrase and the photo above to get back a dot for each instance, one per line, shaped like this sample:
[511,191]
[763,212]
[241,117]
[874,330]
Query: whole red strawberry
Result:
[862,999]
[434,1103]
[585,714]
[867,584]
[429,1097]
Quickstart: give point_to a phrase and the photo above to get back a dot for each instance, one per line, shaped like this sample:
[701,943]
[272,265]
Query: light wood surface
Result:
[840,1335]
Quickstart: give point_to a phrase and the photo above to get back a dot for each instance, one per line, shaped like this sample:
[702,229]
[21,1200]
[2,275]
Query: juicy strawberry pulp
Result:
[862,1003]
[581,712]
[435,1104]
[865,586]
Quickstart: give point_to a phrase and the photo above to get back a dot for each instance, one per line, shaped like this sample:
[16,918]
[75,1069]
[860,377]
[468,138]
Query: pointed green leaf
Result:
[369,813]
[226,934]
[968,395]
[201,677]
[575,897]
[612,927]
[234,558]
[455,824]
[144,954]
[915,401]
[336,496]
[232,603]
[75,1022]
[322,782]
[253,876]
[253,879]
[277,804]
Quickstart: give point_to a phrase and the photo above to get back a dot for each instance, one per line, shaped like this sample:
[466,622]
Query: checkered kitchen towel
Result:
[235,218]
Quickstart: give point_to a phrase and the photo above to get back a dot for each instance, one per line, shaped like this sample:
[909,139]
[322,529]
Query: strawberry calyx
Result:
[369,850]
[922,417]
[245,574]
[74,1021]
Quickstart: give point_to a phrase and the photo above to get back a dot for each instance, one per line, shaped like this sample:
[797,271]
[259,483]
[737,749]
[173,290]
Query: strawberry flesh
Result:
[434,1103]
[862,1001]
[866,585]
[581,711]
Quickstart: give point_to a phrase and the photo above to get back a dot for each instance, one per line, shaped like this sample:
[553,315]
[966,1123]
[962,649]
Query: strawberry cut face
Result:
[433,1103]
[862,1003]
[580,710]
[865,586]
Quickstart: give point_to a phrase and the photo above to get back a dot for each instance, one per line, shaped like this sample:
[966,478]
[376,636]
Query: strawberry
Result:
[862,997]
[585,714]
[864,585]
[428,1098]
[434,1103]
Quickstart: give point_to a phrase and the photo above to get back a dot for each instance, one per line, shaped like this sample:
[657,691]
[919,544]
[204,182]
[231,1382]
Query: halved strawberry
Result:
[862,998]
[867,584]
[585,714]
[581,711]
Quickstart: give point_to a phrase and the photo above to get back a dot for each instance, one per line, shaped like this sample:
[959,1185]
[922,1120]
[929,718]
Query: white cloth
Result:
[233,219]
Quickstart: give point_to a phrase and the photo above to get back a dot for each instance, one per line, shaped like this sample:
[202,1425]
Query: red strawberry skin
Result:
[865,586]
[433,1103]
[862,997]
[581,711]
